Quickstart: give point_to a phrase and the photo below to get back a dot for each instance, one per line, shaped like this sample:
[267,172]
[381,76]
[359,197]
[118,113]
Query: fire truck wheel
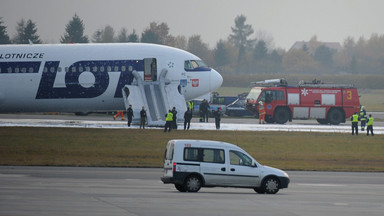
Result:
[281,115]
[335,116]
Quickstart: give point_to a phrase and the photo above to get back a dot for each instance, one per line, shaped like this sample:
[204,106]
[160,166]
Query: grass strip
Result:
[145,148]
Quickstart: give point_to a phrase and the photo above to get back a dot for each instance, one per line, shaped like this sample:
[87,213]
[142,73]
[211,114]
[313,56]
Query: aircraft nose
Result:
[216,80]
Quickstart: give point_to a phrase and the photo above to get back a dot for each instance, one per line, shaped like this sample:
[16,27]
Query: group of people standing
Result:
[170,120]
[143,116]
[362,117]
[171,116]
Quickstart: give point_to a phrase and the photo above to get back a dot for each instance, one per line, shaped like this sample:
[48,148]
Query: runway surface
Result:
[240,124]
[133,191]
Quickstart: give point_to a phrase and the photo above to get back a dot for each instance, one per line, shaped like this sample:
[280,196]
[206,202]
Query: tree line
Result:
[240,53]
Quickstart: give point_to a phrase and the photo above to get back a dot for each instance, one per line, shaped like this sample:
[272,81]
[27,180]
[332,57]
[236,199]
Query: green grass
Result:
[145,148]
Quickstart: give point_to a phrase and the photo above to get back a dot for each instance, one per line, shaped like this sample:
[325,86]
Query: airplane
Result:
[83,78]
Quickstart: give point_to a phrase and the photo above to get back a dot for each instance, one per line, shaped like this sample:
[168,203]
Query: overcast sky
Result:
[286,21]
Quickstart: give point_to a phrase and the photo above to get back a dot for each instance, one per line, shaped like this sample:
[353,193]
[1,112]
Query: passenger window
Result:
[30,70]
[116,68]
[238,158]
[213,155]
[94,68]
[191,154]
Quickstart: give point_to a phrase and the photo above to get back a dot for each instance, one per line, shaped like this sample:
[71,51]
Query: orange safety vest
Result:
[261,110]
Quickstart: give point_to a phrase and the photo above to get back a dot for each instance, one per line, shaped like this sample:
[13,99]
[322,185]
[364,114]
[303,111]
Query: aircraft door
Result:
[150,69]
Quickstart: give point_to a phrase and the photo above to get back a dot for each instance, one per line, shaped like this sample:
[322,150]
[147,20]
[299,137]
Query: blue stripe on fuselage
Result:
[19,67]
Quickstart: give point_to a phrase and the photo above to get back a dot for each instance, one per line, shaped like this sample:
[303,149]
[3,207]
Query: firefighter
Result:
[355,123]
[261,113]
[119,113]
[363,117]
[370,125]
[168,121]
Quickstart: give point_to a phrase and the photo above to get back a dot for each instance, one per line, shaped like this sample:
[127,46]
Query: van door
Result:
[168,159]
[213,166]
[241,172]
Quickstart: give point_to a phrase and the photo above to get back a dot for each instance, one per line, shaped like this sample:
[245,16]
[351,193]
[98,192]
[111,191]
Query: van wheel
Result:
[180,187]
[271,185]
[192,184]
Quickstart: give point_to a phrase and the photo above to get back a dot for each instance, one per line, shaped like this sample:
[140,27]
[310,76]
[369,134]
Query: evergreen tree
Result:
[133,37]
[74,31]
[240,34]
[106,35]
[324,55]
[122,37]
[31,32]
[220,54]
[261,50]
[4,38]
[149,36]
[26,31]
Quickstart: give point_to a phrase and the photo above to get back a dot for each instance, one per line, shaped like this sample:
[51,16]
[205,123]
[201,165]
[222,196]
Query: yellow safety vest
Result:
[370,121]
[362,116]
[169,117]
[190,105]
[355,118]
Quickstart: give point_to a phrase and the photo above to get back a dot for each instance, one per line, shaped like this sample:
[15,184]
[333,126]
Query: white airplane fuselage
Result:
[90,77]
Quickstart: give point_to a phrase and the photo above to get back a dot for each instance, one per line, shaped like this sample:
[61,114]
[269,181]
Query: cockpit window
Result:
[195,65]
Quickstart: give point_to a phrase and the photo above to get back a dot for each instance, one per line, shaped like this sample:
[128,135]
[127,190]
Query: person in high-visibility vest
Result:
[261,113]
[190,105]
[119,113]
[370,125]
[355,123]
[168,121]
[363,117]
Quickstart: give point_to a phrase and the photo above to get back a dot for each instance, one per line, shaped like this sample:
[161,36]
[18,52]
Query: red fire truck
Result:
[328,103]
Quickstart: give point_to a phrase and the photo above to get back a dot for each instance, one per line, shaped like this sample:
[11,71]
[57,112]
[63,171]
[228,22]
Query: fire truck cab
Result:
[328,103]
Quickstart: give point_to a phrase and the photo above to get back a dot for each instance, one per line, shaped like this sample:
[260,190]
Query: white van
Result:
[192,164]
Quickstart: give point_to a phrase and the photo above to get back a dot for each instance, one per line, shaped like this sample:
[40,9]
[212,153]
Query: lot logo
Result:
[75,89]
